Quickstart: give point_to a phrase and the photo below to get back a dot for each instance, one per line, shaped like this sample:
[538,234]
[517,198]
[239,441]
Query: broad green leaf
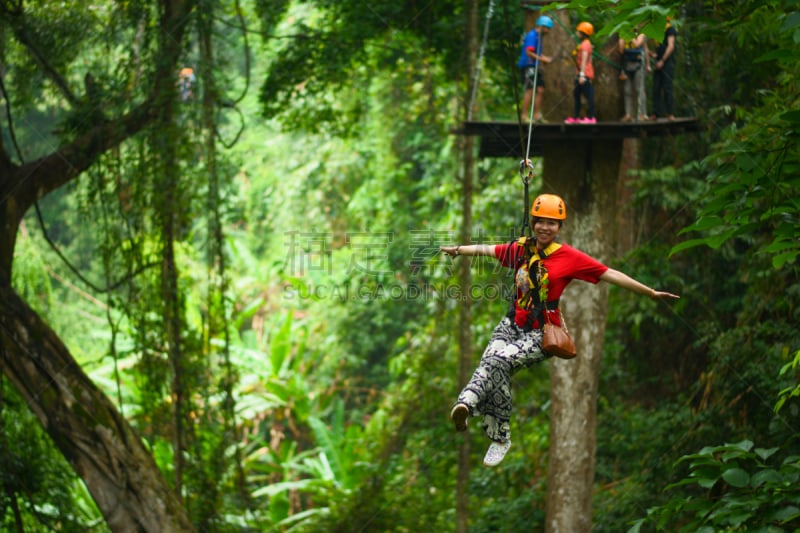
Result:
[766,453]
[787,257]
[706,483]
[791,22]
[762,477]
[772,55]
[791,116]
[704,223]
[779,246]
[281,346]
[786,514]
[736,477]
[718,240]
[637,526]
[276,488]
[686,245]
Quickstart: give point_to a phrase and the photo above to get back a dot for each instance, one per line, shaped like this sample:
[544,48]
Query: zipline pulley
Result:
[526,173]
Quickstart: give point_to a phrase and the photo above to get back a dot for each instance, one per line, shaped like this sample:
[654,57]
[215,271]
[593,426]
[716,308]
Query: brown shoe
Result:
[626,118]
[460,416]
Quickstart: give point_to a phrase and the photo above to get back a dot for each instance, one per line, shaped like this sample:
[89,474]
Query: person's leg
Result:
[488,392]
[537,105]
[641,95]
[669,103]
[628,92]
[576,96]
[525,110]
[658,76]
[589,88]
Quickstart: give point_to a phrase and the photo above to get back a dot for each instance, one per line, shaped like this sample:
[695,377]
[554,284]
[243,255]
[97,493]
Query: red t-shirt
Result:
[563,265]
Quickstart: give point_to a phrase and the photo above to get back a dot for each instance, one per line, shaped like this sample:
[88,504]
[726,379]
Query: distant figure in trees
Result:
[532,53]
[584,76]
[635,64]
[186,79]
[543,269]
[664,74]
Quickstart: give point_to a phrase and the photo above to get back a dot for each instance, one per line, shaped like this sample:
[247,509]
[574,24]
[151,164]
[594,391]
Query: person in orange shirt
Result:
[585,75]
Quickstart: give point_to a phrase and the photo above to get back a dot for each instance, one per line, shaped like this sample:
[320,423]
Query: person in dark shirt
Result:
[664,74]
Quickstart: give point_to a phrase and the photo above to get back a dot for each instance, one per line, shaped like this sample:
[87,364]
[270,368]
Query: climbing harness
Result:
[532,283]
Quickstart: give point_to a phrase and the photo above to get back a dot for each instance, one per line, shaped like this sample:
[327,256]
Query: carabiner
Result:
[526,170]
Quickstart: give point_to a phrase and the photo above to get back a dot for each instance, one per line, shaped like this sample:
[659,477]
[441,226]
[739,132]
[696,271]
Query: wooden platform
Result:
[509,139]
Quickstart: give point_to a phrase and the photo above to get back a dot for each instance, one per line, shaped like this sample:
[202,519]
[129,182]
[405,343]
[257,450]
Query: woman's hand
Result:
[452,251]
[662,294]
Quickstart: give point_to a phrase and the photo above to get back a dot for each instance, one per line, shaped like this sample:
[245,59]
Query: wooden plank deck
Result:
[509,139]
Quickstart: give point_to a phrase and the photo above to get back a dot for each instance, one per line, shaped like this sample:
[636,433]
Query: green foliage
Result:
[325,54]
[313,411]
[39,487]
[789,394]
[733,487]
[754,166]
[756,173]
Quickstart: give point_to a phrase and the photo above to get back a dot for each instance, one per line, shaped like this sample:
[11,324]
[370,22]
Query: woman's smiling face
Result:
[545,230]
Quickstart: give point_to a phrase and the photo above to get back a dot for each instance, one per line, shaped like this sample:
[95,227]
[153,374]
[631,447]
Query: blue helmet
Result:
[545,22]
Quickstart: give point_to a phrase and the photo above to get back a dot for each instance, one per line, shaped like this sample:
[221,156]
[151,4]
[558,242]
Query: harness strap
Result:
[533,302]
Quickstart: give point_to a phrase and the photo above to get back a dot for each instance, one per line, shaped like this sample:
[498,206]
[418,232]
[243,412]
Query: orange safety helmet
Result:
[549,206]
[586,27]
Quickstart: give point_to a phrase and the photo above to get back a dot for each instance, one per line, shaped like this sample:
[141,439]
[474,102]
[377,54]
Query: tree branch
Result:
[20,32]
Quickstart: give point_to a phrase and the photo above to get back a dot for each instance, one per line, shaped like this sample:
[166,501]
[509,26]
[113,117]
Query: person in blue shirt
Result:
[532,53]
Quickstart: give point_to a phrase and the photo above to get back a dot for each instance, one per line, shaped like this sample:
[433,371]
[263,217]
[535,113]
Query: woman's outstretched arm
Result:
[468,249]
[623,280]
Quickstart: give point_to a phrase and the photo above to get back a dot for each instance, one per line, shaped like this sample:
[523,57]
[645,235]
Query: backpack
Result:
[632,60]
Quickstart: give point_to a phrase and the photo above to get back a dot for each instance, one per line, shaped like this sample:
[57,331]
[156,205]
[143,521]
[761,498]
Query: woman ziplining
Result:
[543,269]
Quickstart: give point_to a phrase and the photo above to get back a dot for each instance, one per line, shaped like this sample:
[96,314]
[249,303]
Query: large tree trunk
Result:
[586,175]
[590,199]
[102,447]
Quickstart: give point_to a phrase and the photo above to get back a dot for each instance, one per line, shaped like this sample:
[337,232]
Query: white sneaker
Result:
[460,416]
[496,452]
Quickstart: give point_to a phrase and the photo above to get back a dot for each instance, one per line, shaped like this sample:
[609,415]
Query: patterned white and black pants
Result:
[488,393]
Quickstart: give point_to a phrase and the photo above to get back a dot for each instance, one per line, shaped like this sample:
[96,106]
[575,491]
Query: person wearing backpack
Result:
[532,53]
[543,268]
[635,65]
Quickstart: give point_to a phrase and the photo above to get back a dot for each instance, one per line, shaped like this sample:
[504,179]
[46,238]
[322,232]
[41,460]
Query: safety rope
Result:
[526,166]
[479,66]
[540,53]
